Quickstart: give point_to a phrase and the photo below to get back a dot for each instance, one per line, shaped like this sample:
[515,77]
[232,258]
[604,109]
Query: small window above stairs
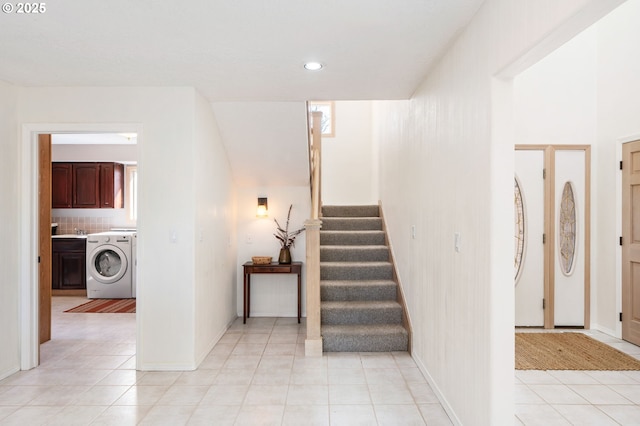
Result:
[360,311]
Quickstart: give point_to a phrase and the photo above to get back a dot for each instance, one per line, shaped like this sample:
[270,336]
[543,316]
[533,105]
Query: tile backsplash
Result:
[88,225]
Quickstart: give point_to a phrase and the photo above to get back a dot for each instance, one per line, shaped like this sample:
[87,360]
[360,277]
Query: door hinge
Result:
[544,173]
[544,238]
[620,240]
[620,316]
[621,165]
[544,304]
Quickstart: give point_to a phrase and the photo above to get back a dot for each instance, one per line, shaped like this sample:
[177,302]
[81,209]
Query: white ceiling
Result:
[235,51]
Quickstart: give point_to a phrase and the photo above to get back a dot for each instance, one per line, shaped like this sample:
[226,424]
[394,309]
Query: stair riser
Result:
[357,293]
[355,343]
[345,316]
[353,224]
[350,211]
[340,273]
[329,238]
[353,254]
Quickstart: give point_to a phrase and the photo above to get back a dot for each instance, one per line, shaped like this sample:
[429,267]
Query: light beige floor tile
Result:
[524,395]
[631,392]
[266,395]
[273,377]
[31,415]
[161,415]
[349,394]
[378,360]
[275,362]
[392,393]
[159,378]
[121,415]
[197,378]
[101,395]
[383,375]
[599,394]
[533,377]
[142,395]
[283,338]
[623,414]
[612,377]
[351,415]
[572,377]
[249,349]
[398,415]
[21,395]
[76,415]
[422,393]
[242,362]
[539,415]
[308,415]
[7,410]
[233,377]
[347,376]
[349,360]
[253,338]
[225,395]
[435,415]
[183,395]
[59,395]
[404,360]
[254,415]
[412,375]
[557,394]
[310,377]
[584,415]
[308,395]
[280,349]
[214,415]
[121,377]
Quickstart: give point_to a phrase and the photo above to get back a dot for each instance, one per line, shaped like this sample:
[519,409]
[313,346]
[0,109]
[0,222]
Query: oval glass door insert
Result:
[567,229]
[518,206]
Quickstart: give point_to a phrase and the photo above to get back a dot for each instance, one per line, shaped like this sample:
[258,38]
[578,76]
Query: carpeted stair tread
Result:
[351,211]
[352,238]
[361,312]
[343,253]
[364,338]
[351,224]
[358,290]
[356,271]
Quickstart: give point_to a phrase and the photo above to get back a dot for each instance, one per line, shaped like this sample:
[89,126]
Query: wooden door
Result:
[44,236]
[631,242]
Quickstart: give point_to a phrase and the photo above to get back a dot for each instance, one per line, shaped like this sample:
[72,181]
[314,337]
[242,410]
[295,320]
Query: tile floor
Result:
[256,375]
[580,397]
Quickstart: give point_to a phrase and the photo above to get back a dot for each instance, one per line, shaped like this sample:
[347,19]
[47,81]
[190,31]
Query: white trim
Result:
[434,386]
[28,225]
[621,141]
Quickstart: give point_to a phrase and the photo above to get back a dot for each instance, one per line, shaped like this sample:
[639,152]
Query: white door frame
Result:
[28,225]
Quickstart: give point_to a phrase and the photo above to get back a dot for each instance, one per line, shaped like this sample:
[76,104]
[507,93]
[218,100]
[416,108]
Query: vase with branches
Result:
[286,238]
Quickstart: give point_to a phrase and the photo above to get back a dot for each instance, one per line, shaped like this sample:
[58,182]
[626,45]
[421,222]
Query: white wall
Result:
[271,295]
[215,233]
[348,172]
[446,165]
[618,119]
[167,146]
[9,231]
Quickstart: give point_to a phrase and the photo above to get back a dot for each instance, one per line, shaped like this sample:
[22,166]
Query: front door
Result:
[552,260]
[631,242]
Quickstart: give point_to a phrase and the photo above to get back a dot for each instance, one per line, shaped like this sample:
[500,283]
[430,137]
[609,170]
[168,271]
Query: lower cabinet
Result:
[69,264]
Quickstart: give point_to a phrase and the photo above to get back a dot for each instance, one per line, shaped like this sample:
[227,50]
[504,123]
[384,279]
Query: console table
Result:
[270,268]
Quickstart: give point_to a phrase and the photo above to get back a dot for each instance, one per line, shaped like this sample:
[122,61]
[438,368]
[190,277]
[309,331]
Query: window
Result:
[131,182]
[328,116]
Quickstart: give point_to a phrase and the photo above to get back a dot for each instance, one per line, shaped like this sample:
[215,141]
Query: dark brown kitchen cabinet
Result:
[87,185]
[111,185]
[61,185]
[68,264]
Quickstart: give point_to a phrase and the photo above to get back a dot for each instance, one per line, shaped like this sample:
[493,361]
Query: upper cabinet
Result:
[87,185]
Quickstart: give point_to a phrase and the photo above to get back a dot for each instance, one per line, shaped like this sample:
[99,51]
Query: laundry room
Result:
[93,215]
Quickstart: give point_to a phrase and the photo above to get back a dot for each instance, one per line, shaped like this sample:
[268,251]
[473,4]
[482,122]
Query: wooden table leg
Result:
[299,296]
[244,301]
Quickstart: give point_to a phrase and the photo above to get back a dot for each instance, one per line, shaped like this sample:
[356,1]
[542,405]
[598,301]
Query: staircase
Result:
[359,300]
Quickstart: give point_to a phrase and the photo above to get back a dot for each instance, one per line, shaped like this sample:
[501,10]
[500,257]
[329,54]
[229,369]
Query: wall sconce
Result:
[262,207]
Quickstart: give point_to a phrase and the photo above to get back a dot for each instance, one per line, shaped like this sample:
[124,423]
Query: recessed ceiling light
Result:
[313,66]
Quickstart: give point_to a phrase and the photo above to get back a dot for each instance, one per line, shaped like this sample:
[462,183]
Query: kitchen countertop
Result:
[69,236]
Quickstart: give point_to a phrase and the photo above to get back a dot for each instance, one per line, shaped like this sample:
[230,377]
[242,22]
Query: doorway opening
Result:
[32,304]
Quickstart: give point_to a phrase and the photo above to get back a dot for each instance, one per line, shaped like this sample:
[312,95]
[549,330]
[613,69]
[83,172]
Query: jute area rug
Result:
[111,306]
[569,351]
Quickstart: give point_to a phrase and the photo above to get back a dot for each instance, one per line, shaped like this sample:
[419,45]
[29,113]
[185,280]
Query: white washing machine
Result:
[110,265]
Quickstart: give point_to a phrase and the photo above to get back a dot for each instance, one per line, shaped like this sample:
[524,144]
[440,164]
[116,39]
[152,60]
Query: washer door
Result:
[107,264]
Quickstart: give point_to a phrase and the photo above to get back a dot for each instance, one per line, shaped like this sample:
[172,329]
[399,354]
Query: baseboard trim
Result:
[443,401]
[9,372]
